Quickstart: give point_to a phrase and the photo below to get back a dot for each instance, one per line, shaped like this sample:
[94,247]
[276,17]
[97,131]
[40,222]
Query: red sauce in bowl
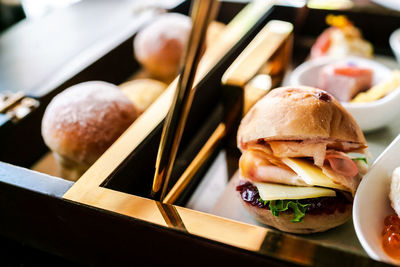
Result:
[391,236]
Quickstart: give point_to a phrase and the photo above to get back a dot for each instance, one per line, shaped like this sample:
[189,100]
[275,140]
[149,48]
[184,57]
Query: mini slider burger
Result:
[296,171]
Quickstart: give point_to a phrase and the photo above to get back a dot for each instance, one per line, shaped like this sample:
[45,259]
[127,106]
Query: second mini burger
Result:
[296,171]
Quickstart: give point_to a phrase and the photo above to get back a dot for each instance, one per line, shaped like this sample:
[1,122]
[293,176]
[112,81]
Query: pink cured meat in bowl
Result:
[369,115]
[345,81]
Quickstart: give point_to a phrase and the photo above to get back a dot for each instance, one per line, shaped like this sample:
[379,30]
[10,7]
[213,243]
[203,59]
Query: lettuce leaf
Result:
[361,159]
[298,209]
[276,206]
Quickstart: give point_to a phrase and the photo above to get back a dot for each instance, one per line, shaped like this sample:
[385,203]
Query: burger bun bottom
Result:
[310,224]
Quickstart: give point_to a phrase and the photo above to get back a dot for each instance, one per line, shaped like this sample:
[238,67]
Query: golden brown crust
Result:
[310,224]
[299,113]
[80,123]
[142,92]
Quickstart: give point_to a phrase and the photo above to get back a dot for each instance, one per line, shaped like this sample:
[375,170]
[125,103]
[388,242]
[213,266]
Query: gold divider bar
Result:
[195,165]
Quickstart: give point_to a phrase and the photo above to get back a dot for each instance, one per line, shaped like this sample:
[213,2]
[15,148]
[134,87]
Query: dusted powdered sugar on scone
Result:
[80,123]
[160,45]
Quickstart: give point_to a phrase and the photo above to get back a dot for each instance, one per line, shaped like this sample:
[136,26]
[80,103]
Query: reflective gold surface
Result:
[83,190]
[253,239]
[194,166]
[257,53]
[171,216]
[262,63]
[203,12]
[88,189]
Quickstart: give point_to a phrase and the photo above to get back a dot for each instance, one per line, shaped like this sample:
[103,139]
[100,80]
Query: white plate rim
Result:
[325,60]
[356,219]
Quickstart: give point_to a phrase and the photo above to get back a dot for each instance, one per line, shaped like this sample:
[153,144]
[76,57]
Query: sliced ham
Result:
[269,155]
[293,149]
[342,170]
[341,163]
[262,163]
[350,183]
[333,144]
[256,167]
[346,146]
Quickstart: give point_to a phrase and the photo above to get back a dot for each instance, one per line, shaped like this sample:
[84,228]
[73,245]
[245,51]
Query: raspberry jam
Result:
[316,206]
[391,236]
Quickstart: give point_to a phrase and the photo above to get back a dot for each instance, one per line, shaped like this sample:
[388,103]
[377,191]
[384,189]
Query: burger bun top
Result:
[299,113]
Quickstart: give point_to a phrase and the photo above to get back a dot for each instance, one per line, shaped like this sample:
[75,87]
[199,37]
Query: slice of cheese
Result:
[311,174]
[269,191]
[380,90]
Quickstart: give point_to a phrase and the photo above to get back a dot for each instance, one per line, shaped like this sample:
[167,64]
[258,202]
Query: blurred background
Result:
[12,11]
[48,45]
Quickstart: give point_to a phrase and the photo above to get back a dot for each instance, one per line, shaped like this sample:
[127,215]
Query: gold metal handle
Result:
[203,11]
[195,165]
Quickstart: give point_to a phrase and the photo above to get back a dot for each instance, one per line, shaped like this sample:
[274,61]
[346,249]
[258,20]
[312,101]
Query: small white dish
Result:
[369,116]
[394,41]
[392,4]
[372,204]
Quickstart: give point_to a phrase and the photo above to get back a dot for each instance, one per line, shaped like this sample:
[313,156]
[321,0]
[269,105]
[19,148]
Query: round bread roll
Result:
[309,117]
[160,45]
[143,92]
[394,194]
[315,115]
[311,223]
[81,122]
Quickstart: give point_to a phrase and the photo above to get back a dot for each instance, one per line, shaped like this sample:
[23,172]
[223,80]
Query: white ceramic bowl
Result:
[372,204]
[369,116]
[394,41]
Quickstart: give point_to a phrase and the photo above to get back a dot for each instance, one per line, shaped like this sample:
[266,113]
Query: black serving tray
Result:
[308,24]
[255,240]
[41,61]
[33,211]
[52,215]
